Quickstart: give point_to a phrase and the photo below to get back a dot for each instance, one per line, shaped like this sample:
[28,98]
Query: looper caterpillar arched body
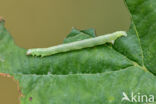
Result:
[76,45]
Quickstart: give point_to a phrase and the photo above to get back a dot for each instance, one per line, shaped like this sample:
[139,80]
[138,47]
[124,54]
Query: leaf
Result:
[130,46]
[90,60]
[144,17]
[104,88]
[93,75]
[76,35]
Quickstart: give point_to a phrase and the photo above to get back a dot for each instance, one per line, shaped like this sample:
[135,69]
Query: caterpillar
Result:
[76,45]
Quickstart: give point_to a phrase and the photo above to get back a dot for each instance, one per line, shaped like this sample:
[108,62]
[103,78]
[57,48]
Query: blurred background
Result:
[38,23]
[44,23]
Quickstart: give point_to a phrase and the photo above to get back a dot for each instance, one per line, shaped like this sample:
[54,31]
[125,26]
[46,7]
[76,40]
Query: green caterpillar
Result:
[76,45]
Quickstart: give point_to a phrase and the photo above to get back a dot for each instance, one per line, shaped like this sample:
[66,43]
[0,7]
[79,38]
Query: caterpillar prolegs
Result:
[76,45]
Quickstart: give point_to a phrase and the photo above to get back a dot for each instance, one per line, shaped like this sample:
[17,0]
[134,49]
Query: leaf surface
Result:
[104,88]
[91,60]
[97,75]
[144,17]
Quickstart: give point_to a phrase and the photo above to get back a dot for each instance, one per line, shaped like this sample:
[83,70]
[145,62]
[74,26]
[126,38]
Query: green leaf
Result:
[91,60]
[130,46]
[104,88]
[76,35]
[96,75]
[144,17]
